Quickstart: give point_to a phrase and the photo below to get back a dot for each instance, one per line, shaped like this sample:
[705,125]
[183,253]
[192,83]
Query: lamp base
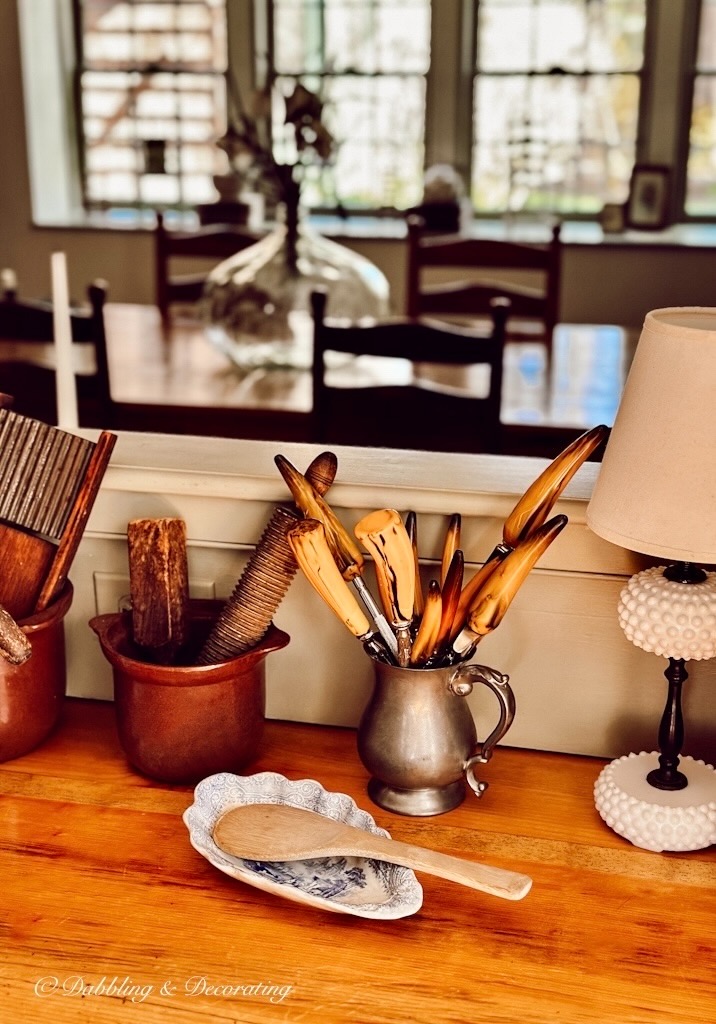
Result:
[657,819]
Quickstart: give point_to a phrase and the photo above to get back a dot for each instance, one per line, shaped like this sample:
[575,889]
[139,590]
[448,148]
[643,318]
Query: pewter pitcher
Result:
[418,739]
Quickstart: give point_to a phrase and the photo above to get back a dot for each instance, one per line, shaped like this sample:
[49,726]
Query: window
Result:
[556,99]
[541,105]
[152,100]
[367,61]
[701,166]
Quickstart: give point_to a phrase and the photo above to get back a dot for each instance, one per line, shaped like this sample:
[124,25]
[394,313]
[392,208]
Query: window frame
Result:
[51,105]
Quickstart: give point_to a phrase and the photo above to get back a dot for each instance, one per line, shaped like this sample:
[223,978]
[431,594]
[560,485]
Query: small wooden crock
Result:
[180,723]
[32,694]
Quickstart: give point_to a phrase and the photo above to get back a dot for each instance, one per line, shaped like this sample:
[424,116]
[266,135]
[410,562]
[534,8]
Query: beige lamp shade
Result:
[656,490]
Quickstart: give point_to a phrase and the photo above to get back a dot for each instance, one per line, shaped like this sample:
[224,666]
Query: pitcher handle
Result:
[461,685]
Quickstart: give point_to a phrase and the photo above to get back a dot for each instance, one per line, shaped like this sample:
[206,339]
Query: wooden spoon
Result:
[275,832]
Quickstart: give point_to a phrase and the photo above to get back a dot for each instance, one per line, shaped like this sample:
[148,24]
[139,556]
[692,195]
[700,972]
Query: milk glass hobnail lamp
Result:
[656,494]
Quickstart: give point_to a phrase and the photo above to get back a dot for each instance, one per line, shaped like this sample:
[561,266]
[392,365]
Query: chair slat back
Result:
[215,242]
[487,269]
[420,414]
[29,378]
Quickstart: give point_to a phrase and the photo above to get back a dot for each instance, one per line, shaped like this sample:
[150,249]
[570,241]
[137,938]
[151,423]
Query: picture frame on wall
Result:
[648,204]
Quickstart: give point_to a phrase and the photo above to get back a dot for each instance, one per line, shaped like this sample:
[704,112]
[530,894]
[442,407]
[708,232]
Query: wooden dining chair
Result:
[435,407]
[27,358]
[488,268]
[211,242]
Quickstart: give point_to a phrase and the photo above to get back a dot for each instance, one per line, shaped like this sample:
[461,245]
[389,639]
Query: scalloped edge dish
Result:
[358,886]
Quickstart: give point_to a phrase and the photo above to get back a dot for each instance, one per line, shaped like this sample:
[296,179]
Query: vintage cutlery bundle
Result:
[49,480]
[444,625]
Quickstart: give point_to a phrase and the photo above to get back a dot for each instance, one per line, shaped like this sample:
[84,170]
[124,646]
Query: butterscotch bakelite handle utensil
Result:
[499,590]
[277,832]
[310,547]
[427,635]
[450,545]
[346,553]
[384,535]
[537,502]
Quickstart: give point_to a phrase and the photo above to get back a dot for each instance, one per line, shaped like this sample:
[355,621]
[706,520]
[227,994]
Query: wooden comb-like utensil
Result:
[49,480]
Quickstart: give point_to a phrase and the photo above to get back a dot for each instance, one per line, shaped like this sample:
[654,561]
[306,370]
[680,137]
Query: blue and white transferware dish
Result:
[346,885]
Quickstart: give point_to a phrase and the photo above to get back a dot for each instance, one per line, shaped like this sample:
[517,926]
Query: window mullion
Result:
[448,116]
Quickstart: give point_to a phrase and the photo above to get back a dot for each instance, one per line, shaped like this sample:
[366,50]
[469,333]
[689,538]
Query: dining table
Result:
[177,379]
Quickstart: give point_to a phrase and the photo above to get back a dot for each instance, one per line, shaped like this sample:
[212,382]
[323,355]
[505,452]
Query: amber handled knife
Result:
[411,525]
[346,554]
[537,502]
[500,587]
[450,591]
[450,544]
[310,547]
[384,535]
[427,635]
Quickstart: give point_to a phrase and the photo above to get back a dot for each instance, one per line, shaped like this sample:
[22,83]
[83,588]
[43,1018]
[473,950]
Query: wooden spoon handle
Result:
[508,885]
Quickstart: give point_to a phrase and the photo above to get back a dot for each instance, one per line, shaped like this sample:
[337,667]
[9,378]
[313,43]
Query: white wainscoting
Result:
[581,687]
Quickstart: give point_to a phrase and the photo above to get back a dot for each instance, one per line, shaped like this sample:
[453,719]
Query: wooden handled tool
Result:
[346,555]
[537,502]
[49,480]
[384,535]
[263,584]
[427,635]
[159,586]
[501,586]
[310,547]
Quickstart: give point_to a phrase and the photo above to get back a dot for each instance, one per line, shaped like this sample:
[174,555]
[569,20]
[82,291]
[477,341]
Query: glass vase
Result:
[257,302]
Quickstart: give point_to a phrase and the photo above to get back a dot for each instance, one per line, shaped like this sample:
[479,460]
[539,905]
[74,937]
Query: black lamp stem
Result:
[671,732]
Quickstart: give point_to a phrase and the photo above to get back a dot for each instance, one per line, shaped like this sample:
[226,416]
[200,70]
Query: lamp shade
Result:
[656,490]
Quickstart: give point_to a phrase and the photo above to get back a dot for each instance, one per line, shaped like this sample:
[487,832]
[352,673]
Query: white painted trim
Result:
[580,686]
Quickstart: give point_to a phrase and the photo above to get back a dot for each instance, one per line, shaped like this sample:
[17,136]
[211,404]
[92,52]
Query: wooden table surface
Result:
[179,382]
[102,894]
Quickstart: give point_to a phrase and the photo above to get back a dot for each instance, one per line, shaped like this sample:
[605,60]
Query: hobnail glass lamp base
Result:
[656,819]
